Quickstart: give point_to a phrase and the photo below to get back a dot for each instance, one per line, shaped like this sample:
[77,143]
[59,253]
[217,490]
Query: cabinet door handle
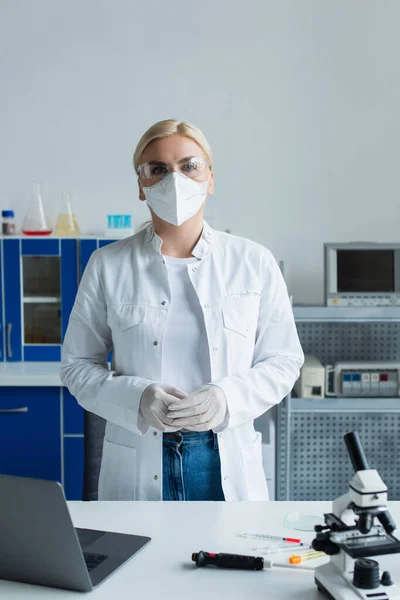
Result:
[22,409]
[9,351]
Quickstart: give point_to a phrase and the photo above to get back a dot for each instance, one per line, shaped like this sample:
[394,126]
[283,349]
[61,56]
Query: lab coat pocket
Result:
[125,316]
[254,475]
[117,479]
[240,313]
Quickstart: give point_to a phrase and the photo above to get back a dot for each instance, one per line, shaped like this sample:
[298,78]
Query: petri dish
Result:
[300,522]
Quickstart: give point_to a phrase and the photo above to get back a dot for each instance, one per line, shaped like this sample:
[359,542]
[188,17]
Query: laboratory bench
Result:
[164,569]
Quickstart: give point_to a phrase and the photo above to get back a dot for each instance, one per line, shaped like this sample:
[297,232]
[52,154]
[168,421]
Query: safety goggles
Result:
[195,167]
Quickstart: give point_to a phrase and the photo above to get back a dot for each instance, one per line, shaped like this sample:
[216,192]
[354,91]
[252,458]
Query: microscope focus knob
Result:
[386,579]
[366,574]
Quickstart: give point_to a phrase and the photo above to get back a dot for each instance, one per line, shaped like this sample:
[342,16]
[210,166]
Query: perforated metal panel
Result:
[312,461]
[334,342]
[319,464]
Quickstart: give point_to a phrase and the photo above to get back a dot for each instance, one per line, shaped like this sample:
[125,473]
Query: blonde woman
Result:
[202,333]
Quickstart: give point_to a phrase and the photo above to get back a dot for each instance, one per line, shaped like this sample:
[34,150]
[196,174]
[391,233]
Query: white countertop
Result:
[164,570]
[30,374]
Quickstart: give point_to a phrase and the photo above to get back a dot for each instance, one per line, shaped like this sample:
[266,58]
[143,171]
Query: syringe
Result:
[272,538]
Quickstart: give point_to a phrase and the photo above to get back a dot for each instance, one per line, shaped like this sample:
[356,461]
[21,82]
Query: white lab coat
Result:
[255,354]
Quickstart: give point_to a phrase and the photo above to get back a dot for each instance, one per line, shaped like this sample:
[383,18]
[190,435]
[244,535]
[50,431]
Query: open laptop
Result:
[39,544]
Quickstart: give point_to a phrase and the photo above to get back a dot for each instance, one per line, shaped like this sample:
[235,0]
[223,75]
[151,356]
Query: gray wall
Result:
[299,98]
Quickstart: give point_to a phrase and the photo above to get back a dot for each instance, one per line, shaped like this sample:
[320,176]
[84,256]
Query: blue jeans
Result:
[191,466]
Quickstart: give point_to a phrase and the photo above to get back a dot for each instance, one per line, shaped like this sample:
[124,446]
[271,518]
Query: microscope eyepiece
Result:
[356,451]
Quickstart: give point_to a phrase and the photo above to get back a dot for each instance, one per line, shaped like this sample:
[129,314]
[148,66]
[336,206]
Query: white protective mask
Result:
[176,198]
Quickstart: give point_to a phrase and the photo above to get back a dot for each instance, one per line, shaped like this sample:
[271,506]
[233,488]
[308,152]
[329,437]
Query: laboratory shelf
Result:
[343,405]
[309,433]
[344,314]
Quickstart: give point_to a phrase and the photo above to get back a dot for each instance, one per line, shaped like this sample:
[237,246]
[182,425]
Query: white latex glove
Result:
[201,410]
[154,406]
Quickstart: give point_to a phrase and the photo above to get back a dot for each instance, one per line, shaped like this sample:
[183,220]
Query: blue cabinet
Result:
[12,300]
[73,447]
[73,415]
[39,280]
[40,285]
[87,247]
[73,467]
[30,432]
[41,428]
[41,435]
[1,305]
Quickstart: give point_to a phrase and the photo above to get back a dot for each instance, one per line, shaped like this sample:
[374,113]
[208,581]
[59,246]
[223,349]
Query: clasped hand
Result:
[201,410]
[169,409]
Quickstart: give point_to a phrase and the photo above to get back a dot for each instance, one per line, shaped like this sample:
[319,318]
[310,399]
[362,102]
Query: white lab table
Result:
[21,374]
[164,570]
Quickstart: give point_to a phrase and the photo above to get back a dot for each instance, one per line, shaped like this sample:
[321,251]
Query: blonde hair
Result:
[164,129]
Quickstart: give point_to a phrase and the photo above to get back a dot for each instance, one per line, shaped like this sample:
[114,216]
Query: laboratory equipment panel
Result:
[362,275]
[30,433]
[40,285]
[310,464]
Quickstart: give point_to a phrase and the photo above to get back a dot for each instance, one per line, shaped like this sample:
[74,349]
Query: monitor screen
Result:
[365,271]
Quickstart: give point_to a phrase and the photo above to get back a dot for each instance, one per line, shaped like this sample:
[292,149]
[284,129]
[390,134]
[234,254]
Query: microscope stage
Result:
[364,546]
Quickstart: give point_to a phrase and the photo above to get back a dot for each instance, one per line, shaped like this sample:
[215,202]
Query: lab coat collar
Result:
[201,249]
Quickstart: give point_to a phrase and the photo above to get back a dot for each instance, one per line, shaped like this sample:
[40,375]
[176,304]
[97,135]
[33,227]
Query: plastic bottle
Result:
[8,225]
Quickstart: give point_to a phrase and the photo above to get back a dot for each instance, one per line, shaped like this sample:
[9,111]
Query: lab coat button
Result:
[206,306]
[215,349]
[155,477]
[163,303]
[226,477]
[154,433]
[194,269]
[155,343]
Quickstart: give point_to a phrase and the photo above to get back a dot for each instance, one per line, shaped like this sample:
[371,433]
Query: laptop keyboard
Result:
[88,536]
[93,560]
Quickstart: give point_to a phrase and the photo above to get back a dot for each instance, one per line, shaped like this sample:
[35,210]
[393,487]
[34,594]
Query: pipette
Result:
[268,564]
[280,549]
[297,559]
[239,561]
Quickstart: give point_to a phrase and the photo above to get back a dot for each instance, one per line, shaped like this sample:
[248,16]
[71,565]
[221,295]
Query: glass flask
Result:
[36,222]
[67,224]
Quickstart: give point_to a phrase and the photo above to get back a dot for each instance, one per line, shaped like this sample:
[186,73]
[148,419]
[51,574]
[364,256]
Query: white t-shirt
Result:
[185,354]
